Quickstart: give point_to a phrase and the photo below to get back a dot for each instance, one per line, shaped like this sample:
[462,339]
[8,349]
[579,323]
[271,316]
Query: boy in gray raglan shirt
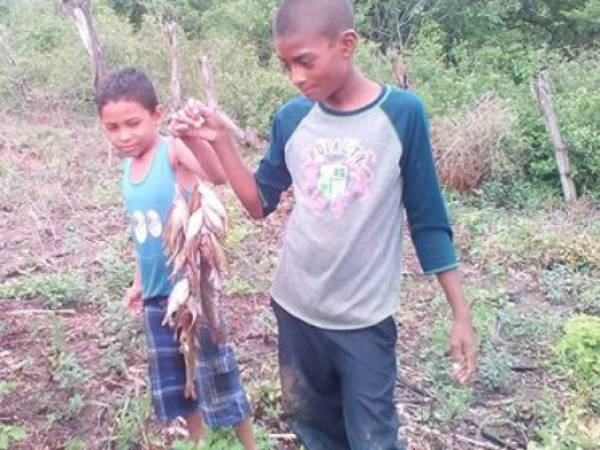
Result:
[356,153]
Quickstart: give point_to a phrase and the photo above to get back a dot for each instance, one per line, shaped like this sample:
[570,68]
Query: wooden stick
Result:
[283,436]
[458,437]
[25,312]
[561,151]
[209,82]
[247,137]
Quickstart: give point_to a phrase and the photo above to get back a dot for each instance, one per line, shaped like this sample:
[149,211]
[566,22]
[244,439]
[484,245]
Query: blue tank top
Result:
[148,202]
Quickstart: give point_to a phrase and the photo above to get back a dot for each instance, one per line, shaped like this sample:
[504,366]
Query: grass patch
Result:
[53,290]
[130,423]
[10,434]
[225,440]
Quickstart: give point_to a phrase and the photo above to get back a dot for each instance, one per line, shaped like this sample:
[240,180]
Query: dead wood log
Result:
[542,91]
[80,11]
[247,137]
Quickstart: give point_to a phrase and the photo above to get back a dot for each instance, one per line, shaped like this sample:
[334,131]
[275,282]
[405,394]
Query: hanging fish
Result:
[199,263]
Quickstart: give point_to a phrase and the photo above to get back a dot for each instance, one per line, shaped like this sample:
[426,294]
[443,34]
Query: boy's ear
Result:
[348,42]
[159,113]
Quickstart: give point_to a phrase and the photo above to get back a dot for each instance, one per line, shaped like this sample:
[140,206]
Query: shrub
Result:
[467,147]
[578,351]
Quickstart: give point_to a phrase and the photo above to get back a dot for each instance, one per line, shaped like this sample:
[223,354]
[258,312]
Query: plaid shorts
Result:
[221,396]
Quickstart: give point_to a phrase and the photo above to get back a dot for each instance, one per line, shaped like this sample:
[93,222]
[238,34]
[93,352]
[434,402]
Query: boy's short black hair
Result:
[127,83]
[324,17]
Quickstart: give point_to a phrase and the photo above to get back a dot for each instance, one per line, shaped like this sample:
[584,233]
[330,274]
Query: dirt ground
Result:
[79,367]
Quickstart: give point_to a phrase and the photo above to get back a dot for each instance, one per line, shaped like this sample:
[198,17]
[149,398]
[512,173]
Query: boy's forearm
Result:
[450,281]
[208,160]
[240,178]
[137,278]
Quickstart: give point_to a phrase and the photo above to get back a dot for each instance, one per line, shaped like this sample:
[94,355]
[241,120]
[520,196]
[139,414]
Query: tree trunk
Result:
[81,13]
[561,151]
[171,33]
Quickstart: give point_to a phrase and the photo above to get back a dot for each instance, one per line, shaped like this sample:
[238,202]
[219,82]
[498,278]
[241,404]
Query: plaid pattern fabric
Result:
[221,396]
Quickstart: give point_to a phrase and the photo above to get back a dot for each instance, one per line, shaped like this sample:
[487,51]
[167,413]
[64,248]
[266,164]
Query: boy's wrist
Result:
[463,317]
[461,310]
[223,140]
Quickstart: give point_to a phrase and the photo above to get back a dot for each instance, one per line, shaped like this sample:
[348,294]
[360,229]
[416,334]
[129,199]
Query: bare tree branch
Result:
[80,11]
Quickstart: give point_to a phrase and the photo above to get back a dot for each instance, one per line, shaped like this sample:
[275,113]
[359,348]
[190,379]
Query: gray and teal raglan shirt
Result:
[352,173]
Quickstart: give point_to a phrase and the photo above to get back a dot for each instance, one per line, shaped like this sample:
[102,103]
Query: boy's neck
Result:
[356,91]
[151,149]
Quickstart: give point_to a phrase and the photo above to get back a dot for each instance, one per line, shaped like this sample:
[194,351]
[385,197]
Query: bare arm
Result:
[240,177]
[133,296]
[463,348]
[197,156]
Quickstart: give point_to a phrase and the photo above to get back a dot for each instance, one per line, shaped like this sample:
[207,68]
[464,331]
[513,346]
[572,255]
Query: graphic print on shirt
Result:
[336,173]
[144,224]
[154,223]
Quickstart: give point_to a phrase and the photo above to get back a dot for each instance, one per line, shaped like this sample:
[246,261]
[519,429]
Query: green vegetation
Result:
[54,290]
[455,54]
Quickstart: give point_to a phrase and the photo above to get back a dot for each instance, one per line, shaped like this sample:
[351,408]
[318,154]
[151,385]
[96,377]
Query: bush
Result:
[579,349]
[467,147]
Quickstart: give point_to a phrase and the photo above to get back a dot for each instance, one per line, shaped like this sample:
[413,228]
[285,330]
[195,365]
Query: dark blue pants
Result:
[338,385]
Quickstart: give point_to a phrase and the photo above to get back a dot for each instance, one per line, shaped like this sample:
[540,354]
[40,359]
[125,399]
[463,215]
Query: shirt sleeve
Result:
[272,176]
[430,228]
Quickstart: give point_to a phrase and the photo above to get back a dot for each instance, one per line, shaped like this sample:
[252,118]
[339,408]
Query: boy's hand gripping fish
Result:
[194,237]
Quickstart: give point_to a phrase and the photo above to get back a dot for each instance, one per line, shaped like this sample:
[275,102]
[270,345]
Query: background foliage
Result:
[456,51]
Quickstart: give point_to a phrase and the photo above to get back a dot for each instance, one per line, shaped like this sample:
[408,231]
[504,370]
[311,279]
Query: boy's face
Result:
[317,65]
[131,128]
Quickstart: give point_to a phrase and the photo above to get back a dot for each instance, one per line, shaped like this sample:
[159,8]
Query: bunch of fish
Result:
[193,237]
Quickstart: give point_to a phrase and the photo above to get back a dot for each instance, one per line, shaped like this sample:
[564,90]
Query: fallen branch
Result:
[524,368]
[24,312]
[283,436]
[492,436]
[459,437]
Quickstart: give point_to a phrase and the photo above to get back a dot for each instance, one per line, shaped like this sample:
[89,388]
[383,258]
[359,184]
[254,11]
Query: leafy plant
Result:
[54,290]
[130,422]
[10,434]
[574,432]
[578,351]
[225,440]
[6,387]
[495,366]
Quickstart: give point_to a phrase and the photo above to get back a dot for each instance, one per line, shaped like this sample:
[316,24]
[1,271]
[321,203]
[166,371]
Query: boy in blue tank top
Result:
[357,154]
[130,113]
